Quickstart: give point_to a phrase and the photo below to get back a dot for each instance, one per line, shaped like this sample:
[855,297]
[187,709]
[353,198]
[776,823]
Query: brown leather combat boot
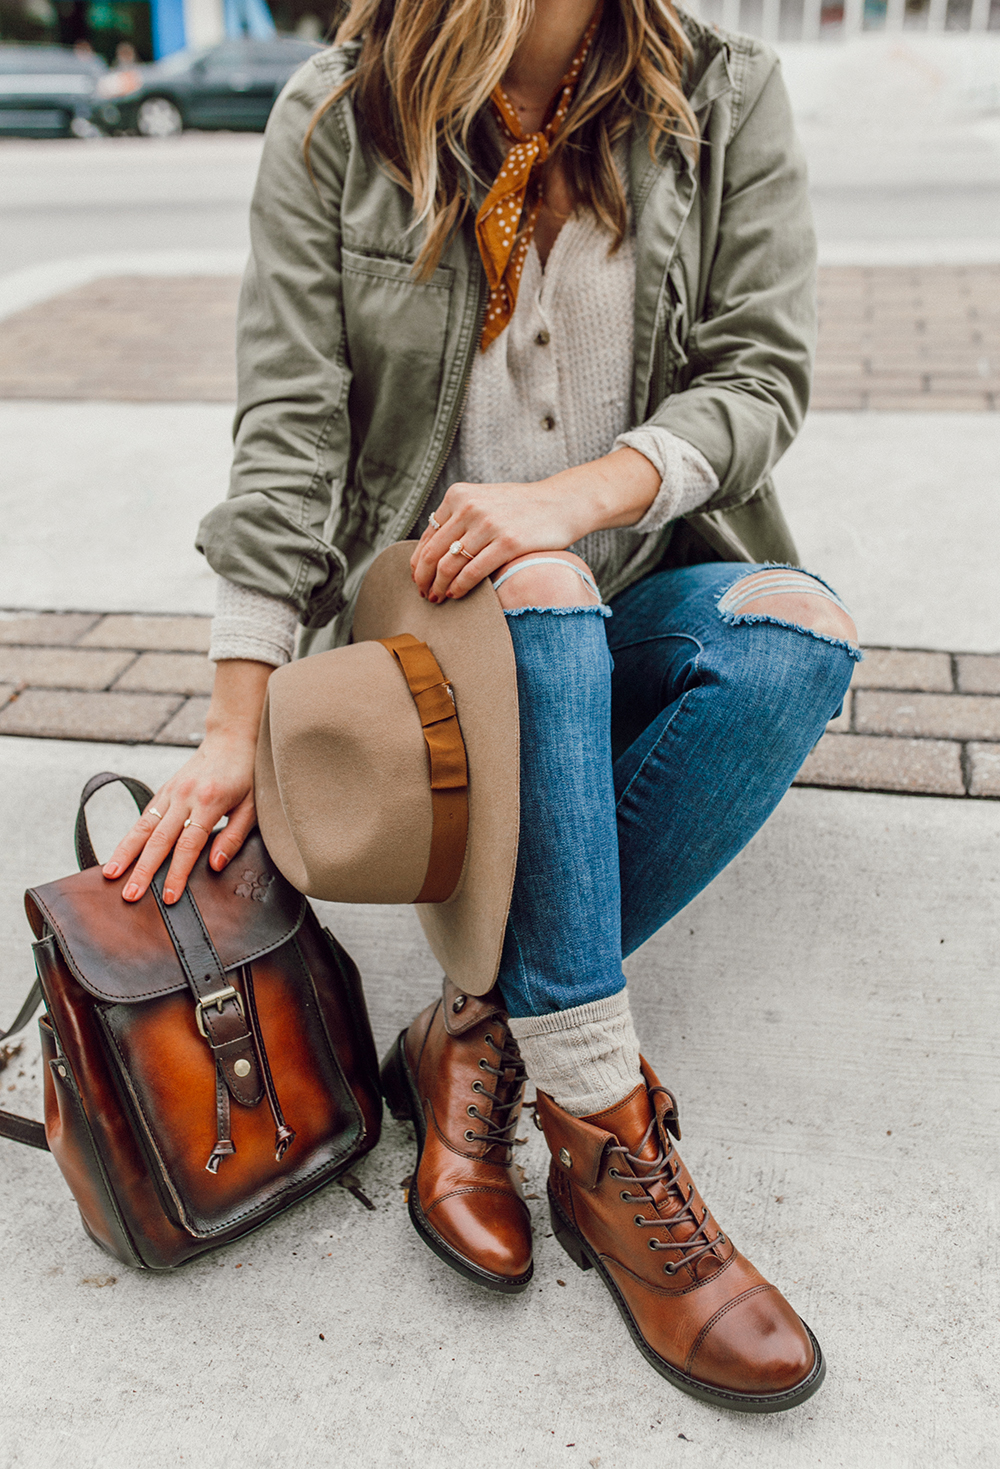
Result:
[457,1074]
[622,1200]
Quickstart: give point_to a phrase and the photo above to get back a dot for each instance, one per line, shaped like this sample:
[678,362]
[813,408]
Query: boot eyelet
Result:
[654,1244]
[483,1063]
[638,1219]
[470,1136]
[625,1196]
[472,1110]
[613,1173]
[477,1086]
[670,1269]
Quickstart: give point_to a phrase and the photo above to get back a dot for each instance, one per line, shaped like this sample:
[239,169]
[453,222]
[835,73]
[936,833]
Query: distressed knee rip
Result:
[549,583]
[788,597]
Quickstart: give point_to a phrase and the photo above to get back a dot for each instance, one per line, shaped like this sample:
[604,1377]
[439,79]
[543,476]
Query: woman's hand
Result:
[495,523]
[217,781]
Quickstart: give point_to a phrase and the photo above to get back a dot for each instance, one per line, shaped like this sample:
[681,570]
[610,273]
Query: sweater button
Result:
[548,422]
[543,338]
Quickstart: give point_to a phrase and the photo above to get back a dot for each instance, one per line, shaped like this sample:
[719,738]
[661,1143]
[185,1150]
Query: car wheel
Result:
[157,117]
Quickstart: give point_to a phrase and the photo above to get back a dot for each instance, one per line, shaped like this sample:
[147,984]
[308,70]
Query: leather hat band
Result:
[448,765]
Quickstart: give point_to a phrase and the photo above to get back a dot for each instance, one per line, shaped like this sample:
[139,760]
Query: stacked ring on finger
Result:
[152,811]
[198,824]
[433,521]
[457,549]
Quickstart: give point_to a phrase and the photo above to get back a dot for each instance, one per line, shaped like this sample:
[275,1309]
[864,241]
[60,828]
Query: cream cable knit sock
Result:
[586,1059]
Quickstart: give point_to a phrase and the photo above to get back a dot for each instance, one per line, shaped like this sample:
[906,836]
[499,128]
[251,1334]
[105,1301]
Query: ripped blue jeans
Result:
[654,744]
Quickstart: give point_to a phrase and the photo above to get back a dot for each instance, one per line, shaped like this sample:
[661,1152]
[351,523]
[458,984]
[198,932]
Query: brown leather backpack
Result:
[206,1064]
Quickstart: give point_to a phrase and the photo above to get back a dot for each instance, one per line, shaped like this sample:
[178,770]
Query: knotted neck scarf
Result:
[509,213]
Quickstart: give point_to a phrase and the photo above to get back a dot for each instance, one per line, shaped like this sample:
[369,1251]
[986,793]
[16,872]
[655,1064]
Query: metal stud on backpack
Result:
[208,1064]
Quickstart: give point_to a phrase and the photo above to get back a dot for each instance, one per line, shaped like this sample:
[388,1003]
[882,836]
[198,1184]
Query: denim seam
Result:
[748,619]
[663,732]
[600,611]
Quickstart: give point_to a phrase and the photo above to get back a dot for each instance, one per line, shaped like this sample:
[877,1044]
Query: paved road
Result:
[902,140]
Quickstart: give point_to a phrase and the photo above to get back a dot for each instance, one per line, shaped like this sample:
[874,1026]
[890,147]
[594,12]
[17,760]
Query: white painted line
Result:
[910,252]
[23,288]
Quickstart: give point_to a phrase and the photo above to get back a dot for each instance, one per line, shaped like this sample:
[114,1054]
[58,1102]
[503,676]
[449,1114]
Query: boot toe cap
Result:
[489,1228]
[756,1344]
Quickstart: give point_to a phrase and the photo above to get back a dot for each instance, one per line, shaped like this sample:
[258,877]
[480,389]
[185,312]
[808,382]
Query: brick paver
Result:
[61,629]
[910,338]
[62,668]
[60,714]
[931,716]
[914,721]
[159,673]
[984,770]
[158,634]
[138,338]
[978,674]
[906,338]
[919,767]
[187,727]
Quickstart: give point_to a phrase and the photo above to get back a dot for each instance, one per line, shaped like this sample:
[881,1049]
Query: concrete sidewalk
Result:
[827,1014]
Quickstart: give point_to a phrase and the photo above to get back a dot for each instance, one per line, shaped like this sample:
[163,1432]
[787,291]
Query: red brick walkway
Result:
[922,337]
[915,722]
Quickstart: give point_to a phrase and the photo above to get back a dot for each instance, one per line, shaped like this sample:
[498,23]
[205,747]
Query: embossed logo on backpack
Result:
[254,885]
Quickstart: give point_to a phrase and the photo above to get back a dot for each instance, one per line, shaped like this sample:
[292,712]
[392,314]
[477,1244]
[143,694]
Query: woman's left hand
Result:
[495,523]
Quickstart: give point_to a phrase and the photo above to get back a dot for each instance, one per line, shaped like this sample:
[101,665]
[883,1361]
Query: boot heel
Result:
[392,1081]
[569,1241]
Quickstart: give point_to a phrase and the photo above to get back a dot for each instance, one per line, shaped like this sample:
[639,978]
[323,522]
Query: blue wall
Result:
[168,27]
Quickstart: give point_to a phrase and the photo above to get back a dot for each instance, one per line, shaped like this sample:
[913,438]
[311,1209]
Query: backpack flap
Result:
[122,951]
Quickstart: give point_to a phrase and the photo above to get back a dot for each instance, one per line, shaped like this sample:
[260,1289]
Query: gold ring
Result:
[198,824]
[457,549]
[153,812]
[433,520]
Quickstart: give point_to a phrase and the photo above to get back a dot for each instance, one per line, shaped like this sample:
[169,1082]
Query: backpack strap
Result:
[24,1129]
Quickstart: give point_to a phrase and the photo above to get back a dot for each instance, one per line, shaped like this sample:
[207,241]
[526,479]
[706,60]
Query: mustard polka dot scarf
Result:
[507,219]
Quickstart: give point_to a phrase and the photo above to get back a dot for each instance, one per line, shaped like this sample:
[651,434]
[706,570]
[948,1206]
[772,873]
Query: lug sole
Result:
[582,1255]
[400,1093]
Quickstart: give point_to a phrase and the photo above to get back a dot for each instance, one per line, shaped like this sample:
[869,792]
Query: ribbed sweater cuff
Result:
[587,1058]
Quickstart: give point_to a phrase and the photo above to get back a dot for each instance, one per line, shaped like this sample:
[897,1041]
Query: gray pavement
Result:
[900,511]
[825,1012]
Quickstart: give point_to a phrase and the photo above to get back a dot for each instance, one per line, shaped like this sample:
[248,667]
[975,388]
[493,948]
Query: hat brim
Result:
[470,640]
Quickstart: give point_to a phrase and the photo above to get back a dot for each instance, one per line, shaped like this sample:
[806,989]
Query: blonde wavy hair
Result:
[426,70]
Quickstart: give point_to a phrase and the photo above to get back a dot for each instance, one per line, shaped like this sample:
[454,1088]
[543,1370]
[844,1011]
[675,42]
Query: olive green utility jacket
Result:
[353,375]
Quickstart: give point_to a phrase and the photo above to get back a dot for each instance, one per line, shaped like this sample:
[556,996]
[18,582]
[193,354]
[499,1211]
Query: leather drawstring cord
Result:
[284,1135]
[224,1147]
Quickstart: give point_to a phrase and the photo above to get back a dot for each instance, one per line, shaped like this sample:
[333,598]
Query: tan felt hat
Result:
[361,772]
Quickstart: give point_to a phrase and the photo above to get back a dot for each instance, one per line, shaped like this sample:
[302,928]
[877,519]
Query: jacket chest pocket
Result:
[397,332]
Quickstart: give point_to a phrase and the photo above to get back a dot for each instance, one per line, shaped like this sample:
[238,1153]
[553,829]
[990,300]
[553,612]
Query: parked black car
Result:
[231,85]
[46,91]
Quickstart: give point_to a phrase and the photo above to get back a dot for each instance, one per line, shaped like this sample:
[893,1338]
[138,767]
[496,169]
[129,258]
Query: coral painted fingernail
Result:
[132,891]
[112,869]
[169,895]
[219,861]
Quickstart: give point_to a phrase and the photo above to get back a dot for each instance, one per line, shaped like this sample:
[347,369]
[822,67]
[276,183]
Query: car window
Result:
[177,62]
[229,56]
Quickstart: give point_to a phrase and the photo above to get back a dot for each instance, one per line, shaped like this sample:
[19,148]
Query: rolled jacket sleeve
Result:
[750,350]
[292,433]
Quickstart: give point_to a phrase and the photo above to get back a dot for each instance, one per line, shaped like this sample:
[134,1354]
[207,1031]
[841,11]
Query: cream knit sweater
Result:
[551,392]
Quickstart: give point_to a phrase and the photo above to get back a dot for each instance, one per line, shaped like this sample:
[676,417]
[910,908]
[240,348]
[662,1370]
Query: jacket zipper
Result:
[458,410]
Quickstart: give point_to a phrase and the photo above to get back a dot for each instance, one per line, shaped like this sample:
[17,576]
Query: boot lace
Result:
[664,1169]
[510,1074]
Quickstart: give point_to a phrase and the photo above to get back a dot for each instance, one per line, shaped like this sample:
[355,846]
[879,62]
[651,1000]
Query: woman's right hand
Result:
[217,781]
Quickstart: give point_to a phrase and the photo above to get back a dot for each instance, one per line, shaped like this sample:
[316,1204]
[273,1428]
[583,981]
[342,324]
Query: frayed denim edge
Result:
[780,566]
[747,619]
[601,611]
